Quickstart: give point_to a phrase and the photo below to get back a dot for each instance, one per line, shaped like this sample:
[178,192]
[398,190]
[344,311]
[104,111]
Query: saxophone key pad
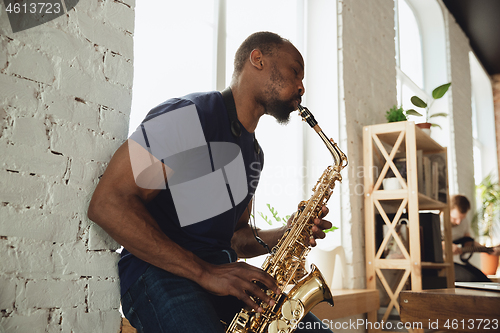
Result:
[279,326]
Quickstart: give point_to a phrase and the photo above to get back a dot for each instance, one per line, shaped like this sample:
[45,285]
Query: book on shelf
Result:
[420,171]
[431,175]
[434,180]
[441,181]
[430,234]
[427,176]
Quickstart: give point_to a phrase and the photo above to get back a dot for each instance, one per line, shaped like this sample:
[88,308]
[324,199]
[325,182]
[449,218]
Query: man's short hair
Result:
[461,203]
[266,42]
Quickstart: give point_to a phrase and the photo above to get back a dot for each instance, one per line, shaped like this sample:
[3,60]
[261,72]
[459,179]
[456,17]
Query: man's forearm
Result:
[246,246]
[128,222]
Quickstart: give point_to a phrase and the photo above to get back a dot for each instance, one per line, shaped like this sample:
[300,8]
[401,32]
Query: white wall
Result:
[367,72]
[65,94]
[461,163]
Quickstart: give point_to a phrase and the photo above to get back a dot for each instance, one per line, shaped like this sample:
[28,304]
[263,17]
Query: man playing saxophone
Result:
[178,194]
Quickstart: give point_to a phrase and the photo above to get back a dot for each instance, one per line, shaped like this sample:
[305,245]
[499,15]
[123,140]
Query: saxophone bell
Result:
[309,291]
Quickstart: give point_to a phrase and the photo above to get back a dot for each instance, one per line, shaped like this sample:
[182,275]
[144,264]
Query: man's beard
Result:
[279,109]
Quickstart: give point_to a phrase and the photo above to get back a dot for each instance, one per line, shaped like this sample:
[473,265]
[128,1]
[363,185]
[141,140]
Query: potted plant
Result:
[488,191]
[398,114]
[437,93]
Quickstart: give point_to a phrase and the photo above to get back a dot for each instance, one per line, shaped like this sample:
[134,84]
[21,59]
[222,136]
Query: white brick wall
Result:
[462,170]
[368,75]
[65,95]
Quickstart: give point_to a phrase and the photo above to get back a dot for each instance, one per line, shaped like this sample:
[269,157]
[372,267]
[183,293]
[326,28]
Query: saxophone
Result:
[288,256]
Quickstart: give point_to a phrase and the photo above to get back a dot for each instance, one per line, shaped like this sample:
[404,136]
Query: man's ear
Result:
[256,59]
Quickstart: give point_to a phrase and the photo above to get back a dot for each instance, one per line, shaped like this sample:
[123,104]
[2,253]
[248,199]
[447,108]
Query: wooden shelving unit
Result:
[381,145]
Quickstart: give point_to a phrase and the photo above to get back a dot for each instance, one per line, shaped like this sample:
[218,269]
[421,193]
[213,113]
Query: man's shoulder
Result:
[204,102]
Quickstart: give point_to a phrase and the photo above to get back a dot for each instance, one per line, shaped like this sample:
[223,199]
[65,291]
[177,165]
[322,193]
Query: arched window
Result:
[421,57]
[483,122]
[409,63]
[422,65]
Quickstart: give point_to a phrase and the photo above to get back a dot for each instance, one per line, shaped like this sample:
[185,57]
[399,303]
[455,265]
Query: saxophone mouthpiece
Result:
[340,159]
[307,116]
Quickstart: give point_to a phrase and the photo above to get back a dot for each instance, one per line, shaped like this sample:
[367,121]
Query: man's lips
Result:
[297,102]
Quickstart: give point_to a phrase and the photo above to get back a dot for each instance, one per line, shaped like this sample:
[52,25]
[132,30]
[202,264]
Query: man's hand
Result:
[319,225]
[237,279]
[455,249]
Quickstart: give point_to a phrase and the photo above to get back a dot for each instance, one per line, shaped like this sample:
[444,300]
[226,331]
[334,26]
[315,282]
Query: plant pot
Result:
[426,127]
[489,263]
[391,183]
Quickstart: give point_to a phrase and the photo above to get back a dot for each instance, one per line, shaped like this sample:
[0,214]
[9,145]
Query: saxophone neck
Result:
[339,158]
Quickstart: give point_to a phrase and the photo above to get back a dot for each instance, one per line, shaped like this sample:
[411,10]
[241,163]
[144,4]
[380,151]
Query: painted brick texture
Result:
[368,80]
[65,96]
[462,142]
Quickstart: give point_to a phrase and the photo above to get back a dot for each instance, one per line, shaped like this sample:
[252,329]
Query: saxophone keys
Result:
[292,310]
[278,326]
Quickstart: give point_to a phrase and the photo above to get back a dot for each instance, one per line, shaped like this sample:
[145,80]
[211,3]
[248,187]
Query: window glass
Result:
[246,17]
[410,47]
[173,52]
[483,122]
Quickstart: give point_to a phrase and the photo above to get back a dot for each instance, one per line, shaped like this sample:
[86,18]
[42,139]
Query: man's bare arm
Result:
[118,206]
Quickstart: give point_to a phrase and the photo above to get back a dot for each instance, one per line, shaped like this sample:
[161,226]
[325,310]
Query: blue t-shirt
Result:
[213,163]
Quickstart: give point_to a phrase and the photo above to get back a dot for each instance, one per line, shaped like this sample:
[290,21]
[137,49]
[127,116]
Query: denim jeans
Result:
[163,302]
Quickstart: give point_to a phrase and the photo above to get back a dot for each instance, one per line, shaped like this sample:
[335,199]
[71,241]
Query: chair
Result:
[331,263]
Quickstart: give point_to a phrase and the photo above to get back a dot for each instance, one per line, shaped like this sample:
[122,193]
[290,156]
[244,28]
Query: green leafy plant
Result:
[488,191]
[398,114]
[437,93]
[282,220]
[274,216]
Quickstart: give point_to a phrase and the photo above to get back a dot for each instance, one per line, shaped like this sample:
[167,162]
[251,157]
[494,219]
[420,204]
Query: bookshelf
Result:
[394,218]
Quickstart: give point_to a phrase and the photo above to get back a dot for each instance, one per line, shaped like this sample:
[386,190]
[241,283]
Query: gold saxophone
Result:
[289,254]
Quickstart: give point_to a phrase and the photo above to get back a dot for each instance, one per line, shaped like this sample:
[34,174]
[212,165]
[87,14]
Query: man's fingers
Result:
[256,291]
[248,301]
[322,224]
[324,211]
[249,281]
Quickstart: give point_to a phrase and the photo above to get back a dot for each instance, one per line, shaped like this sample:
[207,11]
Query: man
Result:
[461,234]
[178,271]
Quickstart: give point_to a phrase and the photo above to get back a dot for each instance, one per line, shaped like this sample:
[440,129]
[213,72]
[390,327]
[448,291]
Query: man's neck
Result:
[248,109]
